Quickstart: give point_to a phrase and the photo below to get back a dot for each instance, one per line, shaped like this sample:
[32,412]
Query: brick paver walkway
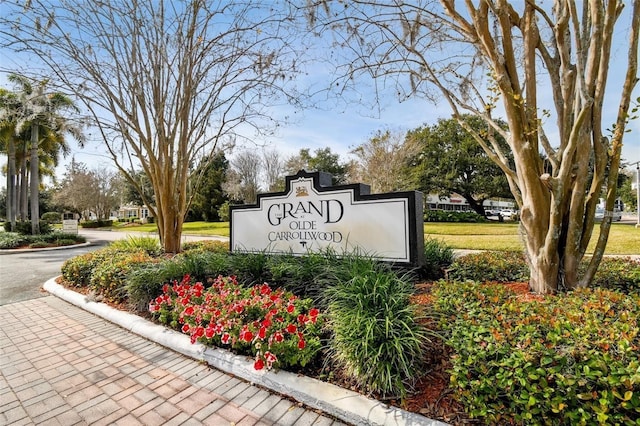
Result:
[62,365]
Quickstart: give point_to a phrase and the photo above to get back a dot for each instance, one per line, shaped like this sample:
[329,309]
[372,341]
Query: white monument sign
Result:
[309,216]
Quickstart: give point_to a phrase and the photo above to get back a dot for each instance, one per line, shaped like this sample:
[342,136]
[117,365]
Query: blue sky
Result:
[348,125]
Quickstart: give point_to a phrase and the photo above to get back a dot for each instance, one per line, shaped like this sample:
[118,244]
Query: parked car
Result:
[491,212]
[616,215]
[508,214]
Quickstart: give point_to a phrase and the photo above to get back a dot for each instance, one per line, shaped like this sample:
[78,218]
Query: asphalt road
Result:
[22,273]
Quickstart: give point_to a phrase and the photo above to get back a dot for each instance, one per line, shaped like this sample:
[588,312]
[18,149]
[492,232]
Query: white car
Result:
[616,215]
[508,214]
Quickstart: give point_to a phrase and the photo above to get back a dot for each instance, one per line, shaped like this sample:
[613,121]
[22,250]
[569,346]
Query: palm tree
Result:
[38,112]
[8,104]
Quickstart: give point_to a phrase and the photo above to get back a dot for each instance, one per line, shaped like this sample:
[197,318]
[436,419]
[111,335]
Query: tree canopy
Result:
[544,67]
[451,161]
[166,83]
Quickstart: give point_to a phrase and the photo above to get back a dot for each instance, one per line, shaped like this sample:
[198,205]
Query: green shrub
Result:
[41,244]
[12,240]
[52,217]
[206,245]
[438,257]
[620,274]
[109,277]
[145,283]
[377,338]
[77,270]
[562,360]
[452,216]
[23,227]
[502,266]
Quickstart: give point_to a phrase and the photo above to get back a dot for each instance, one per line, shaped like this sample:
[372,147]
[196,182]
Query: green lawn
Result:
[623,239]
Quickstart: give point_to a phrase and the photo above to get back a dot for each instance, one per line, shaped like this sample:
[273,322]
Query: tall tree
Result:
[477,55]
[85,191]
[322,160]
[210,196]
[382,161]
[242,180]
[450,160]
[166,82]
[38,114]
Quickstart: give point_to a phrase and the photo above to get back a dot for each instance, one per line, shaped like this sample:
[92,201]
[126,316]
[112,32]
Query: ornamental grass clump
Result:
[555,360]
[378,338]
[275,327]
[145,283]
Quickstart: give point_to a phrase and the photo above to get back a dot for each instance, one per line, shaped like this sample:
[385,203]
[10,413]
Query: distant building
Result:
[456,202]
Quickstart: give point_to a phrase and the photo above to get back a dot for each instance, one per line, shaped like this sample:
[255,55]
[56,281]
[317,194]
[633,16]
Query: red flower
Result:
[259,364]
[301,344]
[189,310]
[209,332]
[265,289]
[291,328]
[290,308]
[185,328]
[262,333]
[266,322]
[278,337]
[225,338]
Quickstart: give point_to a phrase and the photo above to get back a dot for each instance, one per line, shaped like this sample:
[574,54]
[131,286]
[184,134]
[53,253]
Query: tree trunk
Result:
[11,184]
[35,181]
[23,192]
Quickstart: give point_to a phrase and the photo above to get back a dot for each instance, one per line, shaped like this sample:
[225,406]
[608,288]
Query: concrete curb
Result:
[346,405]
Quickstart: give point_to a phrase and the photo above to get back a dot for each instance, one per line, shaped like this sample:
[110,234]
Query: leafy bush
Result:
[502,266]
[109,277]
[145,283]
[214,246]
[274,326]
[614,273]
[452,216]
[23,227]
[77,270]
[621,274]
[562,360]
[438,256]
[377,334]
[52,217]
[11,240]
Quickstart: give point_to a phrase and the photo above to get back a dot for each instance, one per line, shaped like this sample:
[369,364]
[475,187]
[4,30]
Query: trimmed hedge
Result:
[452,216]
[563,360]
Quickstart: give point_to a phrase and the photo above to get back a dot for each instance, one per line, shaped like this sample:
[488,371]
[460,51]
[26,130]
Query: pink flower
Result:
[278,337]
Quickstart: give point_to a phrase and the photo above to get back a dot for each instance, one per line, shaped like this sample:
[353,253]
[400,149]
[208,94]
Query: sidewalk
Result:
[63,365]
